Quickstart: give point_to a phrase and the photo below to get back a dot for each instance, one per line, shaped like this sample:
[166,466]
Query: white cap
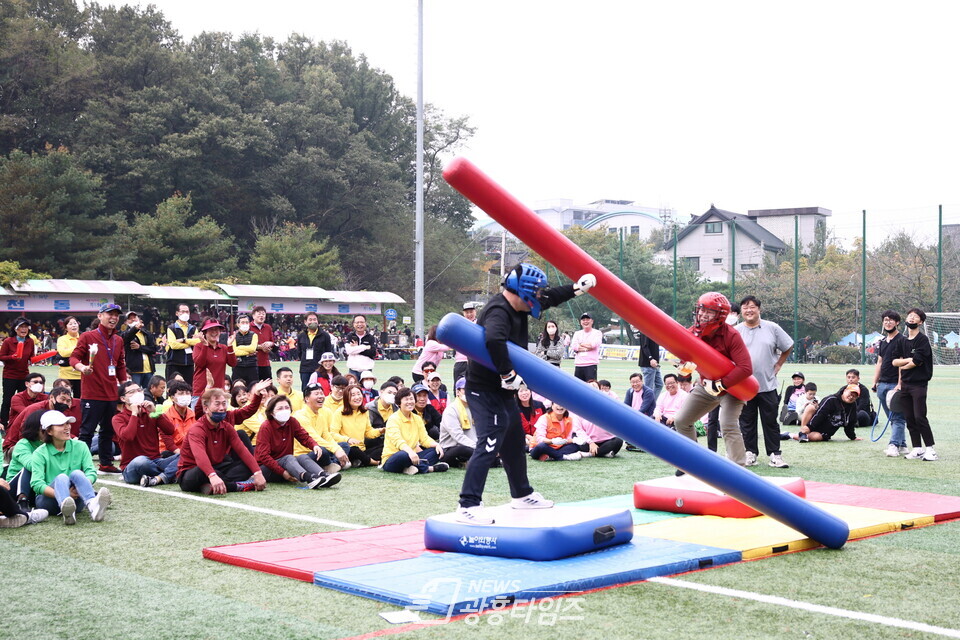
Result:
[433,375]
[54,418]
[367,374]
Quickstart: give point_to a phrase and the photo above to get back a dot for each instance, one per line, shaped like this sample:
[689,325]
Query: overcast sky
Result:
[747,105]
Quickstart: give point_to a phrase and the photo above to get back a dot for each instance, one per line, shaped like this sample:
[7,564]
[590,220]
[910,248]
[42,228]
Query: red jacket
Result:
[264,334]
[207,443]
[16,426]
[215,359]
[275,440]
[727,341]
[22,400]
[139,435]
[99,385]
[16,366]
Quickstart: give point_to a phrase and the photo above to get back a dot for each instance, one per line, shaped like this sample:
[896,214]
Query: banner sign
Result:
[301,306]
[65,303]
[619,352]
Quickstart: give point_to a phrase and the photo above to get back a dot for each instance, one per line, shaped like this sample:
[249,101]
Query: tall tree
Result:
[291,254]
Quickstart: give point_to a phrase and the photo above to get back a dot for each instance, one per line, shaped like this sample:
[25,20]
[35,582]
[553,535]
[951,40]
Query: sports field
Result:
[140,573]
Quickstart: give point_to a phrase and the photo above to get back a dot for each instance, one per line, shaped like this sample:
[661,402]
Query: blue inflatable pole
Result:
[668,445]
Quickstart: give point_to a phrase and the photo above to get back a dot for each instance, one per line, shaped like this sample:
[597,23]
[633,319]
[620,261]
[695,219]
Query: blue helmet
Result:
[526,281]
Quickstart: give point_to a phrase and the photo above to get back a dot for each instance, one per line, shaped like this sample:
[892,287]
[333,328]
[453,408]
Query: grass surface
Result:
[140,574]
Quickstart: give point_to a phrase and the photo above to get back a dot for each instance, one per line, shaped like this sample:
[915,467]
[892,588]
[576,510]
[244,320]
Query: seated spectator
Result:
[607,388]
[12,512]
[865,413]
[62,473]
[178,412]
[213,459]
[275,449]
[32,394]
[326,372]
[316,419]
[835,412]
[596,441]
[436,392]
[407,447]
[788,411]
[368,382]
[285,388]
[530,412]
[156,389]
[351,427]
[250,426]
[670,400]
[555,436]
[640,397]
[808,403]
[334,401]
[18,473]
[238,394]
[379,411]
[427,412]
[139,433]
[686,382]
[458,438]
[397,381]
[60,398]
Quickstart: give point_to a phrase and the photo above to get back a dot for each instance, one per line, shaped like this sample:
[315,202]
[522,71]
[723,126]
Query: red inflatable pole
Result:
[571,260]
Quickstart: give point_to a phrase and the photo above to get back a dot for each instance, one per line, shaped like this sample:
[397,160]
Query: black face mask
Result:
[60,406]
[912,325]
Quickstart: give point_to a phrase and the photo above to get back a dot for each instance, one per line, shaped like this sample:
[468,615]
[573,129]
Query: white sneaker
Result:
[930,455]
[586,454]
[904,450]
[916,454]
[38,515]
[13,522]
[609,454]
[473,515]
[412,470]
[532,501]
[576,455]
[776,461]
[892,451]
[751,459]
[68,509]
[98,506]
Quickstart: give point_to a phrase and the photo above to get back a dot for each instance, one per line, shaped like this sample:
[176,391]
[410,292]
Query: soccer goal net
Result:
[943,330]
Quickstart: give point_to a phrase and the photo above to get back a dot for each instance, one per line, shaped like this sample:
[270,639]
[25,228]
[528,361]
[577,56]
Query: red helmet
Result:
[712,301]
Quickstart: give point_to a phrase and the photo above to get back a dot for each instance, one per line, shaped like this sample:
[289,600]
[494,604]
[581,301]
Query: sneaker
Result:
[930,455]
[245,486]
[440,467]
[916,454]
[776,461]
[98,506]
[109,468]
[892,451]
[346,465]
[38,515]
[532,501]
[634,448]
[412,470]
[473,515]
[68,509]
[586,454]
[576,455]
[904,450]
[325,480]
[803,437]
[149,481]
[609,454]
[786,435]
[13,522]
[751,459]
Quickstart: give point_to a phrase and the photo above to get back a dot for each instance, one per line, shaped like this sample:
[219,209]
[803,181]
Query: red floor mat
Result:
[938,506]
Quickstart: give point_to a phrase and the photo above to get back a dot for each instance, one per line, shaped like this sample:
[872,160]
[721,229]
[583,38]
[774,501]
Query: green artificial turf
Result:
[140,574]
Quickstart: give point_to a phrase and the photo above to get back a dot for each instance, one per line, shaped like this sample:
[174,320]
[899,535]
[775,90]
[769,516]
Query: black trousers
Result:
[497,420]
[913,398]
[459,370]
[764,404]
[585,372]
[231,470]
[249,375]
[185,370]
[713,428]
[98,413]
[266,373]
[10,389]
[613,445]
[457,455]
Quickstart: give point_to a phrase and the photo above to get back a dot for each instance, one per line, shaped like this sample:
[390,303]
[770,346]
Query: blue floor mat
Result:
[449,584]
[625,501]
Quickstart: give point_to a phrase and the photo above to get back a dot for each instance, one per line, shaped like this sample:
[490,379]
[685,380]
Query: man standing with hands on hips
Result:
[492,394]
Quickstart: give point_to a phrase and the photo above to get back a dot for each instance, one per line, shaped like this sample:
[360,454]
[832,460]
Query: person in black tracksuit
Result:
[312,343]
[914,358]
[492,394]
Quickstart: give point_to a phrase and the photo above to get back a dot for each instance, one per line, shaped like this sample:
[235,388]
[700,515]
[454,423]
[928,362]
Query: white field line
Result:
[814,608]
[234,505]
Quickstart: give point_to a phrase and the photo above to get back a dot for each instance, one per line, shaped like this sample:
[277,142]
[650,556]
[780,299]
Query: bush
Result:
[837,354]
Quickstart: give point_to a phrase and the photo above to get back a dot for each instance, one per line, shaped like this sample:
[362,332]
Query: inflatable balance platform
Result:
[686,494]
[531,534]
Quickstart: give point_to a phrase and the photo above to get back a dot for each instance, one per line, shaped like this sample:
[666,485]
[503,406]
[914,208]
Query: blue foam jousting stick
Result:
[668,445]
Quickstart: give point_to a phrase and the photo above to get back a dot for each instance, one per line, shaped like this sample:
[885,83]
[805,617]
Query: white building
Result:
[563,214]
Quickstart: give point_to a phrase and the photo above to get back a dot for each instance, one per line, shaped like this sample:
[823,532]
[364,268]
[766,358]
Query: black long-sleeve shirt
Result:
[833,415]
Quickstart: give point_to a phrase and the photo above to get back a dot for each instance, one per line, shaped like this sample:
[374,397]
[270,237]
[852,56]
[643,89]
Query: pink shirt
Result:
[592,431]
[593,340]
[668,405]
[433,353]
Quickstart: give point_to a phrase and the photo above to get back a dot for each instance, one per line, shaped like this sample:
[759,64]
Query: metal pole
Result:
[418,241]
[621,277]
[503,252]
[940,261]
[674,272]
[863,292]
[796,284]
[733,260]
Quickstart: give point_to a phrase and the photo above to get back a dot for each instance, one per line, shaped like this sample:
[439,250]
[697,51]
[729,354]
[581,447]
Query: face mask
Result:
[312,326]
[37,387]
[281,415]
[912,325]
[244,327]
[60,406]
[218,416]
[137,398]
[183,317]
[368,384]
[388,397]
[182,401]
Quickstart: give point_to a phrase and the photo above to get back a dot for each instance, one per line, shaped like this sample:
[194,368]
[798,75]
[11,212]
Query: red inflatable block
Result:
[688,495]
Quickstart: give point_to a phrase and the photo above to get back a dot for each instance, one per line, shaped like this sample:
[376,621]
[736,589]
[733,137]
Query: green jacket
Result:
[48,463]
[21,455]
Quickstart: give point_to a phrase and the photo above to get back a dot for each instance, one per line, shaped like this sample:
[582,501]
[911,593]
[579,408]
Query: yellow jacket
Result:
[318,426]
[189,342]
[65,346]
[402,430]
[356,426]
[246,349]
[295,398]
[252,424]
[333,405]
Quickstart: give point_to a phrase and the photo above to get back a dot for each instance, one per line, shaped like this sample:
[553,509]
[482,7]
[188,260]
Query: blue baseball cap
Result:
[107,307]
[417,388]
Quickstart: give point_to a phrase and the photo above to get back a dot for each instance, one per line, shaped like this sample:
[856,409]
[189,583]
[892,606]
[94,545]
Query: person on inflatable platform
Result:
[491,394]
[710,326]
